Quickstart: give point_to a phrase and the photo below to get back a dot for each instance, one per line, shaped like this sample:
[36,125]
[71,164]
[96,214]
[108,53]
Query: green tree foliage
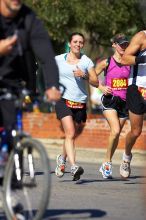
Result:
[99,19]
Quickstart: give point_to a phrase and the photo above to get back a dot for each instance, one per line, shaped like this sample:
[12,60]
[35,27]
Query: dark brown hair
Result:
[75,33]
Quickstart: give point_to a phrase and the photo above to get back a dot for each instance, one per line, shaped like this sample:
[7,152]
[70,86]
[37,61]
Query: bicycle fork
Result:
[31,164]
[18,160]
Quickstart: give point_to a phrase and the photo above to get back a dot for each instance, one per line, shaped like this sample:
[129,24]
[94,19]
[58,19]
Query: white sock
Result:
[127,158]
[62,158]
[73,166]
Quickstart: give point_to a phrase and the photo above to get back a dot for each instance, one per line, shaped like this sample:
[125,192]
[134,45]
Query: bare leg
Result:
[79,129]
[122,122]
[64,154]
[116,125]
[136,122]
[69,130]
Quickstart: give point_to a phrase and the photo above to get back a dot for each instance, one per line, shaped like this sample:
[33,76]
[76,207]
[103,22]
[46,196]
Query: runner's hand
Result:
[78,72]
[106,90]
[53,94]
[6,45]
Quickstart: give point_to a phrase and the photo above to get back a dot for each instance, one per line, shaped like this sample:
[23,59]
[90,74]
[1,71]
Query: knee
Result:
[136,132]
[115,133]
[70,134]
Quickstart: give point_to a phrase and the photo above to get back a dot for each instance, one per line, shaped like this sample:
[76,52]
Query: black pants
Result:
[7,119]
[7,114]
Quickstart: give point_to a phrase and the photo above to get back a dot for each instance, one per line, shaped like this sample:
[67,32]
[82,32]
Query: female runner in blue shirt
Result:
[74,68]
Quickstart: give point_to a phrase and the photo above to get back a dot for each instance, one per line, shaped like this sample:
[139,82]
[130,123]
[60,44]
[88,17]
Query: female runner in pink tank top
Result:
[113,100]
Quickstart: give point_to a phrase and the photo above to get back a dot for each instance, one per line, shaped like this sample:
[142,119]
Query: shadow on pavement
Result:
[137,177]
[86,181]
[54,172]
[58,214]
[117,179]
[141,180]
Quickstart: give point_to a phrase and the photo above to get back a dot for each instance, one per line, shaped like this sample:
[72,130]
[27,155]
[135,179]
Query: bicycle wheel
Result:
[28,199]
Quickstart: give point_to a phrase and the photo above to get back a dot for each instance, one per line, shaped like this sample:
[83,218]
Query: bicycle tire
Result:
[9,192]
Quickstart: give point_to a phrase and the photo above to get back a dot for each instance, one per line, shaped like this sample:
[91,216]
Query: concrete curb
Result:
[91,155]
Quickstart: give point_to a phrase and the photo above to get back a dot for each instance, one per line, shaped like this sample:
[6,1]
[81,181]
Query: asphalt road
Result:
[94,198]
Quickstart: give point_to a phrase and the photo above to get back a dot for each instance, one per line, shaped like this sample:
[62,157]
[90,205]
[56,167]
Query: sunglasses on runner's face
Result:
[124,45]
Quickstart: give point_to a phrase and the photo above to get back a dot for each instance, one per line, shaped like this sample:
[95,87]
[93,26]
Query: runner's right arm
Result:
[99,69]
[129,57]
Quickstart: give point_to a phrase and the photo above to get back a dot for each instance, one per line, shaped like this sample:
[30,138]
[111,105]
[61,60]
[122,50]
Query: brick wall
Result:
[94,135]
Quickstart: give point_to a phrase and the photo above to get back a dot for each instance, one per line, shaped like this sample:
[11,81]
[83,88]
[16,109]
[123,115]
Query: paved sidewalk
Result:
[92,155]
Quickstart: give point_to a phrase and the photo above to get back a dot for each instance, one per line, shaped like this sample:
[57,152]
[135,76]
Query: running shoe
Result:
[125,169]
[76,172]
[106,170]
[60,169]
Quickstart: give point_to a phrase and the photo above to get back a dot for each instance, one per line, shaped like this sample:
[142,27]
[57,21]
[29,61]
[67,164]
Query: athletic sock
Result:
[127,158]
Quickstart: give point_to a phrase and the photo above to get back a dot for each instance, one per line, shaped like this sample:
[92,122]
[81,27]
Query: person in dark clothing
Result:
[23,41]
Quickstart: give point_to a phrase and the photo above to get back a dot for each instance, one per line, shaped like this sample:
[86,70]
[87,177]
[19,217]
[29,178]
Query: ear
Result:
[114,45]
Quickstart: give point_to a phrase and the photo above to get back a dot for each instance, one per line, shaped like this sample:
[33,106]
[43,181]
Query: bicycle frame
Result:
[22,181]
[17,134]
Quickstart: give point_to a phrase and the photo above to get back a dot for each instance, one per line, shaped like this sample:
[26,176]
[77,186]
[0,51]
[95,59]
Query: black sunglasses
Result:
[123,45]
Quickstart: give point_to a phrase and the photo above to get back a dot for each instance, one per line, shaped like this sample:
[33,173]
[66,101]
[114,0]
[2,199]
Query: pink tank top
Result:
[117,78]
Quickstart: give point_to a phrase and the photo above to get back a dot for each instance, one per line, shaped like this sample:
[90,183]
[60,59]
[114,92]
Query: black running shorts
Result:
[62,110]
[135,101]
[110,102]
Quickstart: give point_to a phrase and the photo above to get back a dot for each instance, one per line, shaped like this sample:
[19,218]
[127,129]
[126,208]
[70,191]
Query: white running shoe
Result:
[106,170]
[125,169]
[61,164]
[76,172]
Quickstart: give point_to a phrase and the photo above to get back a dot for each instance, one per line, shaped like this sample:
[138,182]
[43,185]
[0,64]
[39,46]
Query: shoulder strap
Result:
[108,63]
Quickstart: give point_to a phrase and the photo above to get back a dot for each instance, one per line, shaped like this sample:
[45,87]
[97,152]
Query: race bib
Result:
[118,84]
[142,91]
[76,105]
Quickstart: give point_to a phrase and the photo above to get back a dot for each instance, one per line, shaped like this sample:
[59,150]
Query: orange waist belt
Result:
[142,90]
[76,105]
